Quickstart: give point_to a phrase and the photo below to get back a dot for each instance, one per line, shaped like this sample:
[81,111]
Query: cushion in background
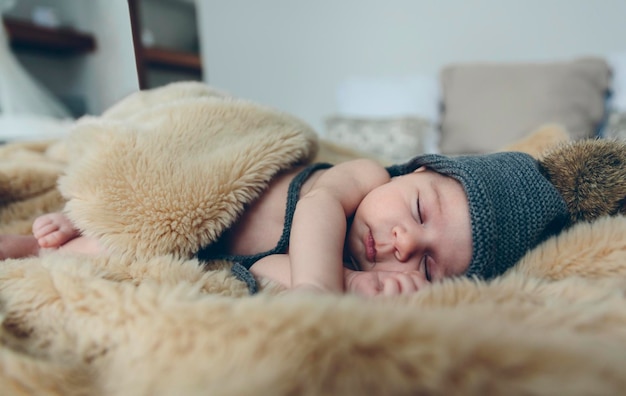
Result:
[387,139]
[617,63]
[616,125]
[487,106]
[392,118]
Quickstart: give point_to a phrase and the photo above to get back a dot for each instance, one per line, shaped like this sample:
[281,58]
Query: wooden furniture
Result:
[24,35]
[158,57]
[73,61]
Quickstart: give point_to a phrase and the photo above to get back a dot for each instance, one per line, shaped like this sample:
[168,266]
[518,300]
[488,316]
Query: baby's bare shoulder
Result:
[366,172]
[350,181]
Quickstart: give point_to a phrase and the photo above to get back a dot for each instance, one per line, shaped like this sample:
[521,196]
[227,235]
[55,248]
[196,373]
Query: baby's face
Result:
[416,222]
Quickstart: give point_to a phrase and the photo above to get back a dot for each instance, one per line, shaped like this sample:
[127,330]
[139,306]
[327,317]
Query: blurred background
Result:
[330,62]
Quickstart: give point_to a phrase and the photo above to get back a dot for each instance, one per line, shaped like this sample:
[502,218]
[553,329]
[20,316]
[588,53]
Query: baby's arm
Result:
[369,284]
[319,223]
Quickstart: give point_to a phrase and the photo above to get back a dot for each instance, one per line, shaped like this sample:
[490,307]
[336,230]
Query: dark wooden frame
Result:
[163,58]
[24,35]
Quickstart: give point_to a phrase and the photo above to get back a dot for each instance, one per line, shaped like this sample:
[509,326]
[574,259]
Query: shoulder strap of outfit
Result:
[242,263]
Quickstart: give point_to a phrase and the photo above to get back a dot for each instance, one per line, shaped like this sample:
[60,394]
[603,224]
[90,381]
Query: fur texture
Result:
[216,153]
[150,320]
[591,176]
[540,140]
[28,177]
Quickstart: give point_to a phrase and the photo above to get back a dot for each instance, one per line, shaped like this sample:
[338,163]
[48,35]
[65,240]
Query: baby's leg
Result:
[83,245]
[18,246]
[53,230]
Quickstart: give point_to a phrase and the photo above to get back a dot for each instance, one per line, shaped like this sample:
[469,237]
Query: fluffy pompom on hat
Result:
[590,175]
[513,207]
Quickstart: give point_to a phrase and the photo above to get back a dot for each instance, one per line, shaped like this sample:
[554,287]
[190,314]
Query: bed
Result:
[165,171]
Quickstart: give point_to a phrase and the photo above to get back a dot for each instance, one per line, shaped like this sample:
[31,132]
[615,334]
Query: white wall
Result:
[111,73]
[293,54]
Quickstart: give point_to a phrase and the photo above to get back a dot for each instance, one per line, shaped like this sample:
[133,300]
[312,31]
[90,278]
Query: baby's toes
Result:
[53,239]
[41,229]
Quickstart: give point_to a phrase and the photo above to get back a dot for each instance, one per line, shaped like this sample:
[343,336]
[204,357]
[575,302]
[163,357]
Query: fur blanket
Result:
[165,171]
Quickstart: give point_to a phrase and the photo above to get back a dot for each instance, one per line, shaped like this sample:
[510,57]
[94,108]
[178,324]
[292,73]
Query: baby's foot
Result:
[18,246]
[53,230]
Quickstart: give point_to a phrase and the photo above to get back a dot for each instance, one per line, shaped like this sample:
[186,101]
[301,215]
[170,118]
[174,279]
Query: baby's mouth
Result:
[370,247]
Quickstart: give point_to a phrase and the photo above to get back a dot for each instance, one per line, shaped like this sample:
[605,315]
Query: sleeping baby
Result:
[363,228]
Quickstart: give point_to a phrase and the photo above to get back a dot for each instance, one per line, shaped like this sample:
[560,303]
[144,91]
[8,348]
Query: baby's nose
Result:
[406,243]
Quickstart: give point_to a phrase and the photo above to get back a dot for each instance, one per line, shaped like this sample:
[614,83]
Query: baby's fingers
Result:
[403,283]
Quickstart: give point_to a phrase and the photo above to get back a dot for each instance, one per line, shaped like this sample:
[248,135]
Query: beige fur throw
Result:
[164,172]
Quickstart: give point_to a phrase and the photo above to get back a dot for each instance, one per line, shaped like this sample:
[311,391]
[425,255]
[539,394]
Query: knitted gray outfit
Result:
[513,207]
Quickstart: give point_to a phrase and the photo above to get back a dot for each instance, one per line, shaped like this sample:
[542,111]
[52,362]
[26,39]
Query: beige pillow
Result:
[487,106]
[616,125]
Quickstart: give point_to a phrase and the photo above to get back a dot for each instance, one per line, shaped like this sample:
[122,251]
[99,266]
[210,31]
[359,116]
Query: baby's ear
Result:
[420,169]
[590,175]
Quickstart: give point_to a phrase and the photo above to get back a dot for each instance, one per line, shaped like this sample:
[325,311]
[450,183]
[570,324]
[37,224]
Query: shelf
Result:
[172,60]
[27,36]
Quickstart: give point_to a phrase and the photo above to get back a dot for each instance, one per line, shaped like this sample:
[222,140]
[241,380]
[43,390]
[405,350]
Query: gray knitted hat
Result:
[513,207]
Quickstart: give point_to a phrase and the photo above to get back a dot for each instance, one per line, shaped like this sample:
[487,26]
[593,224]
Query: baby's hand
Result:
[386,283]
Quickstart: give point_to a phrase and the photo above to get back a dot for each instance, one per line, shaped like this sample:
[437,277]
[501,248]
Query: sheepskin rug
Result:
[166,171]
